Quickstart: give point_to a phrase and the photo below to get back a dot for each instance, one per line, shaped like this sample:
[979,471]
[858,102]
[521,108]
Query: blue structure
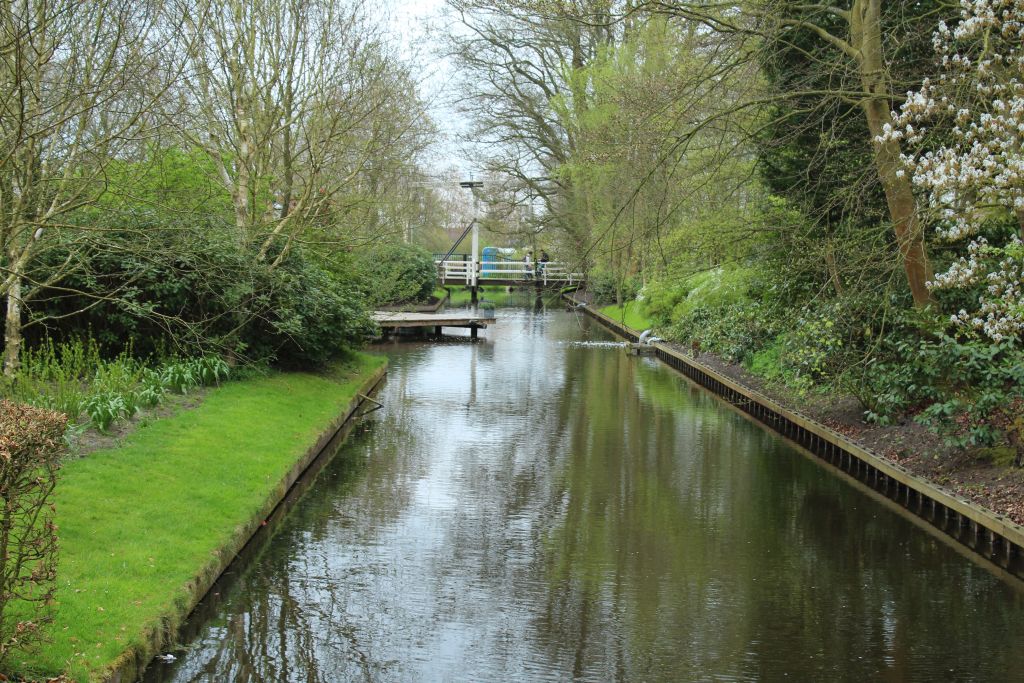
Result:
[488,255]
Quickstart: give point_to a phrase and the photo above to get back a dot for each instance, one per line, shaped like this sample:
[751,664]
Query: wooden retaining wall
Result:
[991,536]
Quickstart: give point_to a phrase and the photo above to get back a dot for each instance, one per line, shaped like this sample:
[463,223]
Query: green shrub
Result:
[391,274]
[811,346]
[660,298]
[970,390]
[195,287]
[767,362]
[308,316]
[735,331]
[715,288]
[186,280]
[604,287]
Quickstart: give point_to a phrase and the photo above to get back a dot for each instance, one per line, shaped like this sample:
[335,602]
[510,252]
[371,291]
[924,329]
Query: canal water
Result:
[540,506]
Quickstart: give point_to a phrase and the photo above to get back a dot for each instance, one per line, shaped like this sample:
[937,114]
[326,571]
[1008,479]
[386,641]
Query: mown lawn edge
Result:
[105,631]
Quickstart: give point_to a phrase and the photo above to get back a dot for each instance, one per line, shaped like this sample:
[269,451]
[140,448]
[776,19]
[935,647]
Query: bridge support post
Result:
[473,329]
[474,265]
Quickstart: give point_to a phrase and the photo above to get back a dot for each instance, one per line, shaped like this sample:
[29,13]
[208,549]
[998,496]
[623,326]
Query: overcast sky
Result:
[420,26]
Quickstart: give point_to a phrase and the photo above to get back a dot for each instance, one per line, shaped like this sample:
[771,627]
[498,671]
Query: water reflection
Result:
[533,508]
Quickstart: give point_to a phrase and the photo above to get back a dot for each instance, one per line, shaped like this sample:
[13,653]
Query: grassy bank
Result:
[138,523]
[630,314]
[461,295]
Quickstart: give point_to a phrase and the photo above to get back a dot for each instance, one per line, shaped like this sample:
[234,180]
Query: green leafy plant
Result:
[209,370]
[811,345]
[300,313]
[178,377]
[152,388]
[104,409]
[966,388]
[605,287]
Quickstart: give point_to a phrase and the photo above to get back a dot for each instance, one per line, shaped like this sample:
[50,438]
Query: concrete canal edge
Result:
[131,663]
[992,536]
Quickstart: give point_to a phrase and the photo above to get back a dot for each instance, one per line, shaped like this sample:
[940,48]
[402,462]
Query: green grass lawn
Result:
[461,295]
[138,522]
[631,315]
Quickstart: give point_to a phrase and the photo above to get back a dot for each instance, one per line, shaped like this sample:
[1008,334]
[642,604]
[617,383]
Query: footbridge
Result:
[473,273]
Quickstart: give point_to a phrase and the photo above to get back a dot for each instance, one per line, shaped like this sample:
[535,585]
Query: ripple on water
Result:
[592,344]
[527,509]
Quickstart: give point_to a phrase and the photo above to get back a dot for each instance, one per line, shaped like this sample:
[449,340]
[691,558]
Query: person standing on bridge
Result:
[542,263]
[528,265]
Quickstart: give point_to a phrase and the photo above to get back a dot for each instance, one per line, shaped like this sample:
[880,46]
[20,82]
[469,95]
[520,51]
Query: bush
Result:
[391,274]
[603,286]
[767,362]
[30,449]
[715,288]
[734,332]
[166,284]
[306,316]
[193,287]
[811,347]
[970,390]
[661,298]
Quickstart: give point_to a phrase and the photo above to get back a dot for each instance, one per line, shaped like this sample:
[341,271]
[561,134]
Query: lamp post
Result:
[472,185]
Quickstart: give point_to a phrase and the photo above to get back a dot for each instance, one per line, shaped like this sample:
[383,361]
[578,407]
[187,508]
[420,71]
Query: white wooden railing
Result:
[508,270]
[457,270]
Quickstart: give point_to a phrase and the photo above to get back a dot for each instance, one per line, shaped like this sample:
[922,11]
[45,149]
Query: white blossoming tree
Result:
[976,174]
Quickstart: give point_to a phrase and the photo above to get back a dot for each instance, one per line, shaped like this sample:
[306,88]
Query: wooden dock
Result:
[389,320]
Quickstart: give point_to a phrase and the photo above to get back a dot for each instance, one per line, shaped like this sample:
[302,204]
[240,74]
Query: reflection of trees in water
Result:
[285,625]
[283,619]
[596,517]
[618,538]
[692,543]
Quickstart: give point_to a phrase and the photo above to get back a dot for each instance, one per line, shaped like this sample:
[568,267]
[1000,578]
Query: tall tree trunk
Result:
[866,35]
[12,328]
[902,208]
[243,179]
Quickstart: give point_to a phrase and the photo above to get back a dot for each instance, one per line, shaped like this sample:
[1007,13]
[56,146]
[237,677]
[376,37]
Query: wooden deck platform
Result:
[389,320]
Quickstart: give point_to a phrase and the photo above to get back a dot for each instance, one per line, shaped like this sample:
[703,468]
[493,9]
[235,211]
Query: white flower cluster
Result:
[1001,311]
[979,98]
